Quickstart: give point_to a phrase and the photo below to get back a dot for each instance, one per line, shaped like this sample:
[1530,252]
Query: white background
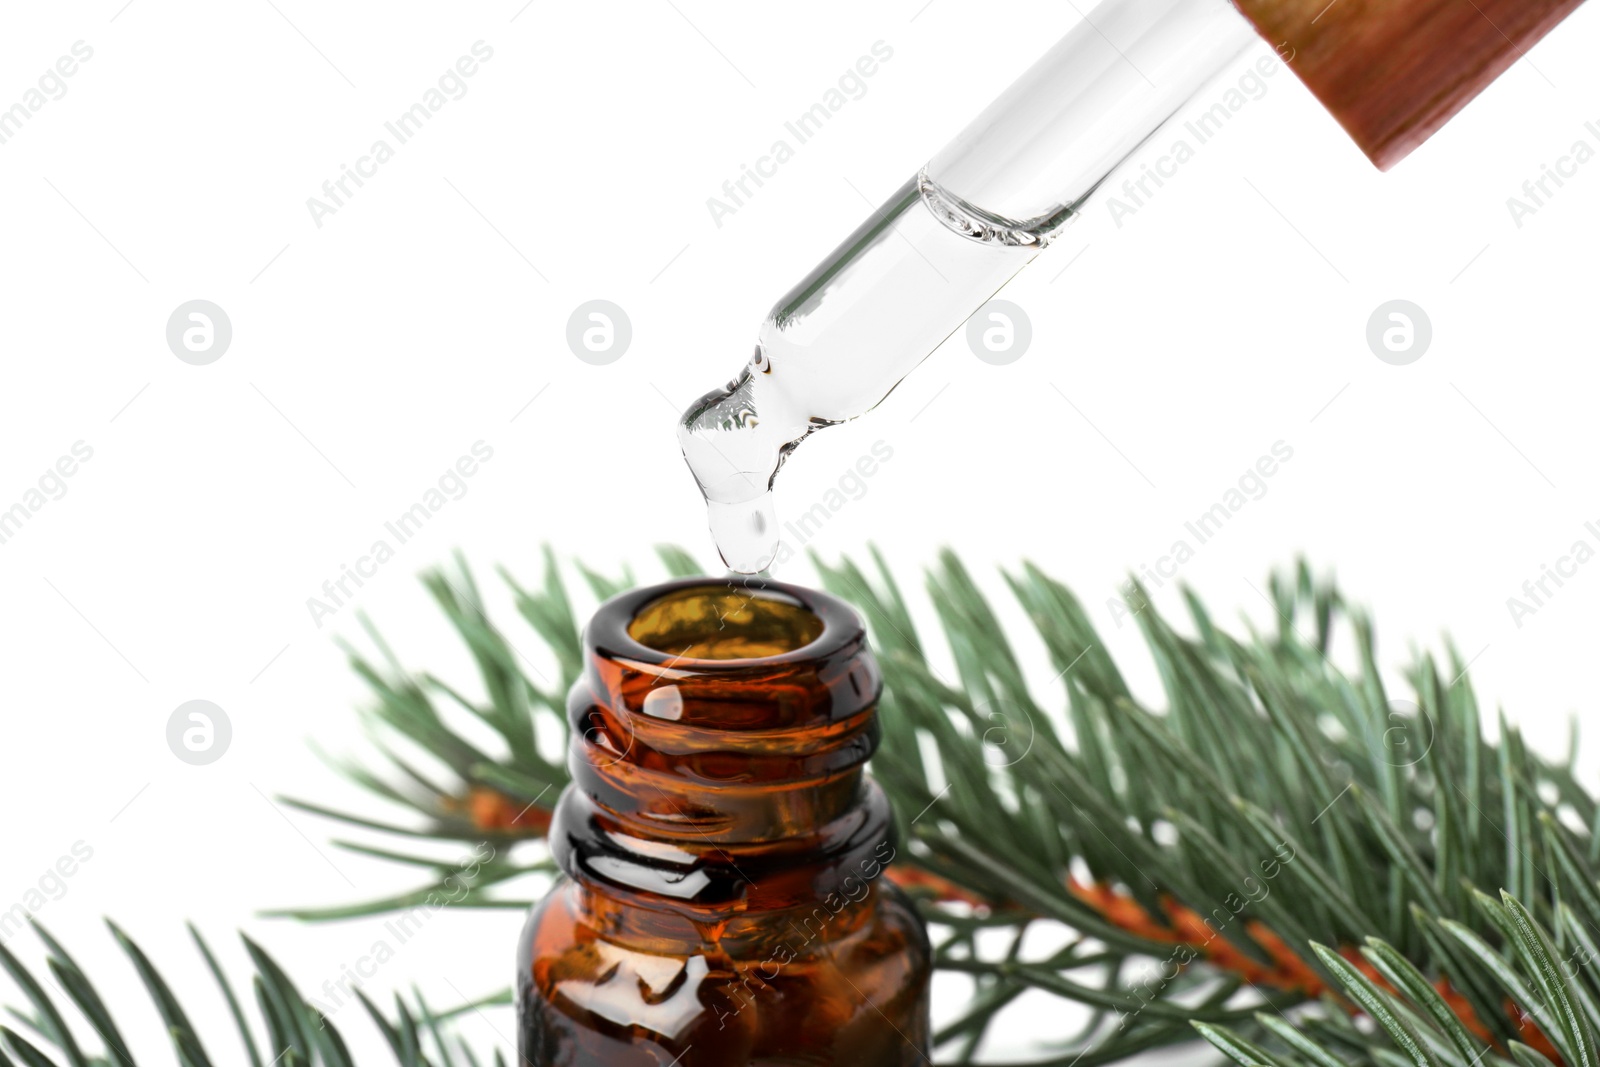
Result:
[368,354]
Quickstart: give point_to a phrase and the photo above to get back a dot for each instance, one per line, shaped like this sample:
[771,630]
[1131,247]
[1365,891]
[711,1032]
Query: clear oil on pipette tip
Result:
[830,351]
[746,533]
[734,440]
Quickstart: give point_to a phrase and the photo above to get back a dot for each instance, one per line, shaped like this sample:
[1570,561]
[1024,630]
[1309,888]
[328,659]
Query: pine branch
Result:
[1279,836]
[1555,990]
[286,1029]
[1276,801]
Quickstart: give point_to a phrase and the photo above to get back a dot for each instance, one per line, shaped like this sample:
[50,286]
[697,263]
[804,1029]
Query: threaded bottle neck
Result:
[718,737]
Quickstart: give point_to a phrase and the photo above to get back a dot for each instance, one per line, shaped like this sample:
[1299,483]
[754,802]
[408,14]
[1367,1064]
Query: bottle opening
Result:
[725,622]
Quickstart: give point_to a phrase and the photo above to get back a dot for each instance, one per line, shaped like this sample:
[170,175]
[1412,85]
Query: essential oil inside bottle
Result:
[723,622]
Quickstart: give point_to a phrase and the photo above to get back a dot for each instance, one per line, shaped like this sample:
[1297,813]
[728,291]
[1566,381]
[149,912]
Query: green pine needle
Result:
[293,1029]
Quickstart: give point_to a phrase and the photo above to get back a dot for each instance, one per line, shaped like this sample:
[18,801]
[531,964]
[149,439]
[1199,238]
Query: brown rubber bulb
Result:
[1394,71]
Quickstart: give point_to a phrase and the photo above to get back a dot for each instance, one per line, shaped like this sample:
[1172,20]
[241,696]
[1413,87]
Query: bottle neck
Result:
[719,734]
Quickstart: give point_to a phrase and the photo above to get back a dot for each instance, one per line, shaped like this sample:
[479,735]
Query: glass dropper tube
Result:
[1005,188]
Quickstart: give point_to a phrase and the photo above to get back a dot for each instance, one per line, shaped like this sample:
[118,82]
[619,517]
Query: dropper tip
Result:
[746,533]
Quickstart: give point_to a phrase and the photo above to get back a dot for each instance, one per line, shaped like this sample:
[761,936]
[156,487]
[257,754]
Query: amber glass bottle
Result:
[723,902]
